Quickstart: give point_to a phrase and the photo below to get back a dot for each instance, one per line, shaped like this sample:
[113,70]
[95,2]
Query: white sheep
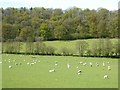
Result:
[52,70]
[105,76]
[79,72]
[28,63]
[56,64]
[0,62]
[32,63]
[91,64]
[81,62]
[109,68]
[77,67]
[68,66]
[10,66]
[84,64]
[103,64]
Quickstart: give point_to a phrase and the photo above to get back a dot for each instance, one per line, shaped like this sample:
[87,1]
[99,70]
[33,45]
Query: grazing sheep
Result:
[10,66]
[32,63]
[77,67]
[56,64]
[84,64]
[28,63]
[38,61]
[105,76]
[109,68]
[108,62]
[68,66]
[79,72]
[91,64]
[0,62]
[103,64]
[52,70]
[81,62]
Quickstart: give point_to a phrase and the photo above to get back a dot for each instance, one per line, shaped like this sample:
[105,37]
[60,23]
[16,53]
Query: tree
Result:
[81,46]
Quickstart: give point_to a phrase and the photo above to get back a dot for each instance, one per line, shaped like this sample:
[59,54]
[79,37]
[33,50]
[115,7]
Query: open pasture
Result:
[28,71]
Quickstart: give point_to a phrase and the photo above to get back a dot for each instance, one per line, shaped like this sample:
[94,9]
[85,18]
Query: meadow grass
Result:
[70,45]
[38,75]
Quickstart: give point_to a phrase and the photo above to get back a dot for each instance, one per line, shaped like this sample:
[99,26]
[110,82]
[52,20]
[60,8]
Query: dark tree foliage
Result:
[58,24]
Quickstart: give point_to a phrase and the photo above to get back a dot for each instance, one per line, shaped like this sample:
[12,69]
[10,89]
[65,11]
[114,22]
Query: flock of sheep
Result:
[67,66]
[84,64]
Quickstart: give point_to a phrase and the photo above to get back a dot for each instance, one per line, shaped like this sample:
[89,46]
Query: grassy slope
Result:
[71,45]
[38,76]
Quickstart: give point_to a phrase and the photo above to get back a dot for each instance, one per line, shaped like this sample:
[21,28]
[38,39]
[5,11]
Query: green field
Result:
[70,45]
[38,75]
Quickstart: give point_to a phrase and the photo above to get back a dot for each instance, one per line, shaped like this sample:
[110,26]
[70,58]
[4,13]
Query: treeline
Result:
[19,24]
[100,48]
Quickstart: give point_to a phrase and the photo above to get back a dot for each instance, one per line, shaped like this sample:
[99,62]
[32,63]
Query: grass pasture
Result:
[71,45]
[38,75]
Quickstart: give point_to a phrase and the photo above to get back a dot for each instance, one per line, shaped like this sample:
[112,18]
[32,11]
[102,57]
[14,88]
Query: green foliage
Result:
[58,24]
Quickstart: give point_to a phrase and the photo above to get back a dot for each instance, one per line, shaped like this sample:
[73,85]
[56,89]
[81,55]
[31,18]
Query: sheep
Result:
[68,66]
[81,62]
[28,63]
[56,64]
[32,63]
[109,68]
[77,67]
[52,70]
[91,64]
[84,64]
[79,72]
[108,62]
[38,61]
[105,76]
[0,62]
[103,64]
[10,66]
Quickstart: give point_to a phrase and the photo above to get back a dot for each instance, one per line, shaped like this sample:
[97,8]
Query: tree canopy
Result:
[58,24]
